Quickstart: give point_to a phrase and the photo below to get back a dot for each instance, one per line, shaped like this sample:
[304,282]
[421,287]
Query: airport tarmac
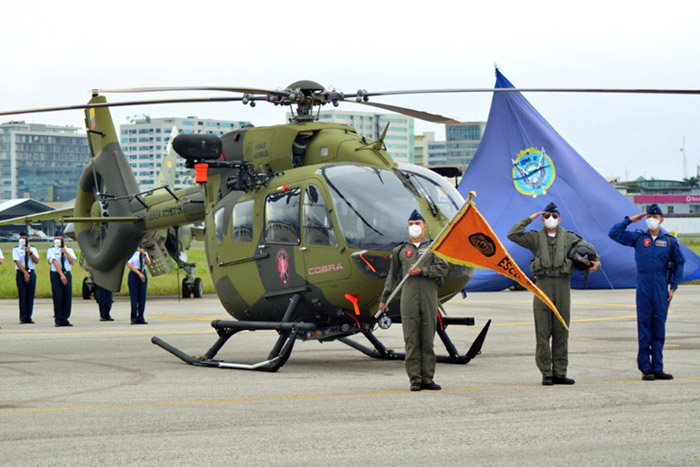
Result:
[100,393]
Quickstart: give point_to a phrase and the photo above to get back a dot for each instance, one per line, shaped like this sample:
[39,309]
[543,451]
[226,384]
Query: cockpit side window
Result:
[282,217]
[318,228]
[243,221]
[219,225]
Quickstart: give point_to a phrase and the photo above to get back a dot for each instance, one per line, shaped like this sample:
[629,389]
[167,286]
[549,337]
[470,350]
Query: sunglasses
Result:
[548,215]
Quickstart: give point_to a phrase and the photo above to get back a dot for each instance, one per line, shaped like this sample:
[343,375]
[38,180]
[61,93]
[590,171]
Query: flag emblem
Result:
[533,172]
[483,243]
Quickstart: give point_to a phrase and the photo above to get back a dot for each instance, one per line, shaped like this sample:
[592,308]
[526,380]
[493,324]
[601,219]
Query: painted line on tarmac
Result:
[99,333]
[309,396]
[193,318]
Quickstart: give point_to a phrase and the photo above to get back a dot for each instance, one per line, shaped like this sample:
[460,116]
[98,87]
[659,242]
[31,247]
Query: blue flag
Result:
[522,165]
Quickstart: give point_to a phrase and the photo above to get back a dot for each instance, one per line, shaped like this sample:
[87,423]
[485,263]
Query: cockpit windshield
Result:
[434,188]
[371,204]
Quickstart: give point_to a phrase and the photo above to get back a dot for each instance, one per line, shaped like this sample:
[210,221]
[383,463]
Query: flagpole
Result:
[472,194]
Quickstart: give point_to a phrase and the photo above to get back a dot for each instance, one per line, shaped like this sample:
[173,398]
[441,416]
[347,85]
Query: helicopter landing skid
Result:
[227,329]
[380,351]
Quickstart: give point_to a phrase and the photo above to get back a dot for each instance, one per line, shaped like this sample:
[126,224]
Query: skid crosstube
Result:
[380,351]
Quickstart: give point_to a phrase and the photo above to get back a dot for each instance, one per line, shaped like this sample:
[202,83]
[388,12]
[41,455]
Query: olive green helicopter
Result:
[300,220]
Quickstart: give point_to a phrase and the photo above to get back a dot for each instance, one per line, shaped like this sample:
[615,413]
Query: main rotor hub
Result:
[305,95]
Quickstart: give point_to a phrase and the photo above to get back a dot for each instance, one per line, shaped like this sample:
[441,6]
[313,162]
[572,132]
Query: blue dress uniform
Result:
[62,293]
[653,256]
[24,262]
[104,302]
[137,287]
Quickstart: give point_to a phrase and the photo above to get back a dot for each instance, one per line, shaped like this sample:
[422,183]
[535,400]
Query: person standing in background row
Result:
[138,284]
[104,302]
[61,258]
[26,259]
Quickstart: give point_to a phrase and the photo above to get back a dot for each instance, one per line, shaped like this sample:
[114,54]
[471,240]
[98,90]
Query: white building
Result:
[145,140]
[39,161]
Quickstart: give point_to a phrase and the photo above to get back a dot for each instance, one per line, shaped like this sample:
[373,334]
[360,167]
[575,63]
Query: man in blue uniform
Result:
[25,258]
[105,298]
[138,284]
[659,264]
[61,258]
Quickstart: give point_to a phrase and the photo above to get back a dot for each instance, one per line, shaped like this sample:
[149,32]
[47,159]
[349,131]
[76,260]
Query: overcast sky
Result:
[53,53]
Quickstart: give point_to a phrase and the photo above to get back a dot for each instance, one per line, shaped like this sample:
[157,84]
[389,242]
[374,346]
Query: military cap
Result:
[551,207]
[58,233]
[654,209]
[23,233]
[415,216]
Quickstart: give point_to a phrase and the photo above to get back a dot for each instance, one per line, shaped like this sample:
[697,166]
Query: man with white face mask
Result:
[419,301]
[659,266]
[552,268]
[61,258]
[25,257]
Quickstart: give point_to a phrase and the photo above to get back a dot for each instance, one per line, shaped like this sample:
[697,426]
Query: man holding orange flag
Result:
[552,268]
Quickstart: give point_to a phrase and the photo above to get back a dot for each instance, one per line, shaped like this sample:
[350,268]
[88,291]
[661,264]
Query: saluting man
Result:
[61,258]
[138,284]
[419,301]
[659,270]
[25,258]
[552,269]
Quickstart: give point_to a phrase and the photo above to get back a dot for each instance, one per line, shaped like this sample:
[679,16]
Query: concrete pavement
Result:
[101,393]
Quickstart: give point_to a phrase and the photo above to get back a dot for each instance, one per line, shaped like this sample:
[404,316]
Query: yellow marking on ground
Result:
[99,333]
[593,340]
[306,396]
[193,318]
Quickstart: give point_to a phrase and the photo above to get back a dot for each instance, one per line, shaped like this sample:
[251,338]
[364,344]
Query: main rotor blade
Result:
[192,88]
[127,103]
[575,90]
[434,118]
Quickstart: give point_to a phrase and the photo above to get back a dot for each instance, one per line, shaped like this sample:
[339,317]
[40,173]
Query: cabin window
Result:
[282,217]
[243,221]
[318,229]
[220,228]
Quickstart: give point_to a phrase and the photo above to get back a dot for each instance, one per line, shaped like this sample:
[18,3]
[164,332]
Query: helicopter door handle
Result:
[302,248]
[262,247]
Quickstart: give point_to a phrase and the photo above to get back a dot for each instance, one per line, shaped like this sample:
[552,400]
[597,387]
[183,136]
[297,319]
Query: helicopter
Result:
[300,219]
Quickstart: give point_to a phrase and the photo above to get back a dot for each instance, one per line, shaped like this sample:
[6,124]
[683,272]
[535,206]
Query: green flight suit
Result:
[419,302]
[552,269]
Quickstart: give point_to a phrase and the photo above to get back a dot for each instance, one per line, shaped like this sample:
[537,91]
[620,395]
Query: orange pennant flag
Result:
[469,240]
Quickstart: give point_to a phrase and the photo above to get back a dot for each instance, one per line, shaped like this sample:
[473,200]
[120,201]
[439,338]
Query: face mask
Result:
[551,223]
[414,231]
[652,223]
[22,242]
[57,243]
